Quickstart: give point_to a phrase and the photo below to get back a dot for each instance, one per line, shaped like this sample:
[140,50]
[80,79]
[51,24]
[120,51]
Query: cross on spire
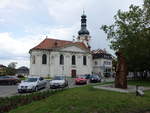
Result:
[83,11]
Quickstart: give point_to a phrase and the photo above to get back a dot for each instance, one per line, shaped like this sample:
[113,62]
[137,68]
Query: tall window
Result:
[84,60]
[61,60]
[33,59]
[73,60]
[44,59]
[95,62]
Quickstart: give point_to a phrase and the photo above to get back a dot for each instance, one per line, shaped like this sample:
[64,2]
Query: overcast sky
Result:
[25,23]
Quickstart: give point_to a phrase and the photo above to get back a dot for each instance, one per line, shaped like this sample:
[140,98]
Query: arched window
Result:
[73,60]
[95,62]
[84,60]
[44,59]
[61,60]
[33,59]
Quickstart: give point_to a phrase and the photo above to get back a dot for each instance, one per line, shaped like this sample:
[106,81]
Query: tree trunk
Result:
[121,73]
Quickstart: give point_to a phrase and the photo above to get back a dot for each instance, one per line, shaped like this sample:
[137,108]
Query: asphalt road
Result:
[10,90]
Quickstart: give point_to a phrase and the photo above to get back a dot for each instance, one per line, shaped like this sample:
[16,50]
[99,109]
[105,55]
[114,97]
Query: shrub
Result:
[20,76]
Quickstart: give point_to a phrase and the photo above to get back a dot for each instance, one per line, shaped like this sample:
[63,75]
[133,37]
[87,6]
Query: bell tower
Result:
[83,33]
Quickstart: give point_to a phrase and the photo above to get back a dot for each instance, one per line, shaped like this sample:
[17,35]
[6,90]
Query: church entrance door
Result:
[73,73]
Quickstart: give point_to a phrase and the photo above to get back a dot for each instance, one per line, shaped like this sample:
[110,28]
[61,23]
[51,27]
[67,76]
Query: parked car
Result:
[107,74]
[87,76]
[9,80]
[32,84]
[95,78]
[81,79]
[59,81]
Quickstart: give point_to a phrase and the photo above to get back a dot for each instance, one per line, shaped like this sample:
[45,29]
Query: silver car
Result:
[59,81]
[32,84]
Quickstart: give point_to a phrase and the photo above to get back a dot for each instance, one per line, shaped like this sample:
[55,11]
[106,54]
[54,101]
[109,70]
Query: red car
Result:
[81,79]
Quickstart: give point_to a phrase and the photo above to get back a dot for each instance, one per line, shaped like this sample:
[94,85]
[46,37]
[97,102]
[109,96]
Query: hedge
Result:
[9,103]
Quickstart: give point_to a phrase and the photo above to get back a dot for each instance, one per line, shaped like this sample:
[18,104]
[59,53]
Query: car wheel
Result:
[51,87]
[36,89]
[62,86]
[19,91]
[9,83]
[66,84]
[14,83]
[45,85]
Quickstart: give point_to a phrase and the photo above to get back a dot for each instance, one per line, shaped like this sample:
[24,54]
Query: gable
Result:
[73,49]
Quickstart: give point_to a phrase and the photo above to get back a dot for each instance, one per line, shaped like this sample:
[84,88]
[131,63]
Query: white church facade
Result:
[60,57]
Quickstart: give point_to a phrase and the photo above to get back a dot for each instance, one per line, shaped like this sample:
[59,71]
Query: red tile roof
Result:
[99,51]
[49,43]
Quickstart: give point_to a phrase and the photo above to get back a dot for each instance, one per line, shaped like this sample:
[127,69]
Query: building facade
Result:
[102,62]
[22,71]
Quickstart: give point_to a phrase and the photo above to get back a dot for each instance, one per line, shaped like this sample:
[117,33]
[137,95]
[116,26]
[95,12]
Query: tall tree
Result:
[130,33]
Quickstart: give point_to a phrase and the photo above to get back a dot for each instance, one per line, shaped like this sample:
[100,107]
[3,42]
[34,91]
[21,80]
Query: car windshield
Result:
[88,76]
[59,78]
[31,80]
[12,77]
[2,77]
[95,76]
[81,76]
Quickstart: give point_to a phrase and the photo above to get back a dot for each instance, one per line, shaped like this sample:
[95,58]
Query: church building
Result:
[60,57]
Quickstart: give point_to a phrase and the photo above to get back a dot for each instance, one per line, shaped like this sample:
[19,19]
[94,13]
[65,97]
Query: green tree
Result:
[130,33]
[10,71]
[12,65]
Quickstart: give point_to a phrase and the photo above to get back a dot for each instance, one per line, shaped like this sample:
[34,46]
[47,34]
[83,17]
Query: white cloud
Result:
[4,3]
[2,20]
[13,45]
[65,11]
[64,33]
[16,49]
[21,4]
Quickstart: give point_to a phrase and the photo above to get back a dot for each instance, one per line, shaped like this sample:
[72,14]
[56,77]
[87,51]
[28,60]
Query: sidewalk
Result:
[108,79]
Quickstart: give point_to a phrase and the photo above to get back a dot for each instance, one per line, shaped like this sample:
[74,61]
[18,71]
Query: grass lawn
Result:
[88,100]
[139,82]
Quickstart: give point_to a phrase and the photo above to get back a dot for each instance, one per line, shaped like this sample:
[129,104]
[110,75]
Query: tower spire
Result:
[83,33]
[83,30]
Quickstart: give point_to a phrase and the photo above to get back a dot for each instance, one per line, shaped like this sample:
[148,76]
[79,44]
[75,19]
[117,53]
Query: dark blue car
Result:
[95,78]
